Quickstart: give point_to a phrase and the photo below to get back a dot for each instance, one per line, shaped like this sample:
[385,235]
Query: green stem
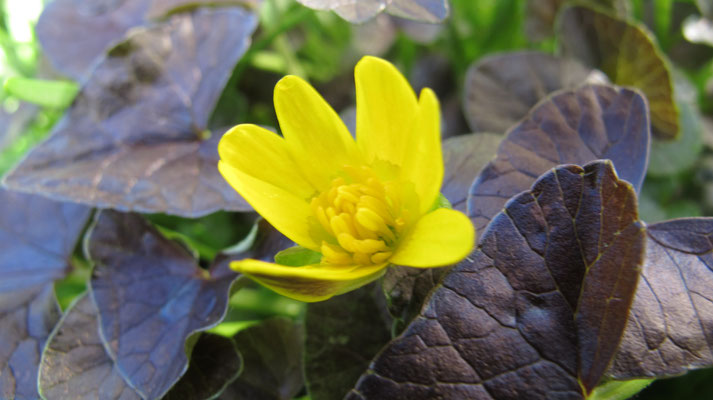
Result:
[291,20]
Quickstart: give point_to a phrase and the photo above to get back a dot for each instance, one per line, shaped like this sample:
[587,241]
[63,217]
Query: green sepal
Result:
[619,390]
[441,202]
[297,256]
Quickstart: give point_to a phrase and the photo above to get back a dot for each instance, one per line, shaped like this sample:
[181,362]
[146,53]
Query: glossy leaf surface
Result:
[75,364]
[272,352]
[135,137]
[628,54]
[37,238]
[574,126]
[671,321]
[502,88]
[343,334]
[151,297]
[537,311]
[463,157]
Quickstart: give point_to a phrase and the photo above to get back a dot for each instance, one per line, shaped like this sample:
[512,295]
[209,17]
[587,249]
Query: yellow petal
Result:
[317,138]
[310,283]
[386,110]
[441,237]
[263,155]
[423,163]
[286,211]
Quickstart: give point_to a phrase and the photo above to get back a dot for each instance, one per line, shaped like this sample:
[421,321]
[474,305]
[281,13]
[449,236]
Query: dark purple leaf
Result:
[37,238]
[538,310]
[343,334]
[572,126]
[671,322]
[151,297]
[75,364]
[134,137]
[501,89]
[26,318]
[463,157]
[272,352]
[215,362]
[75,33]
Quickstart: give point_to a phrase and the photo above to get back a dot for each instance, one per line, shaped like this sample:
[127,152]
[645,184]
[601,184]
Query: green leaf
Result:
[619,390]
[538,310]
[46,93]
[677,155]
[297,256]
[628,54]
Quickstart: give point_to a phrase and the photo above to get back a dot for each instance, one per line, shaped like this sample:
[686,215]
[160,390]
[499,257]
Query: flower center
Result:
[364,215]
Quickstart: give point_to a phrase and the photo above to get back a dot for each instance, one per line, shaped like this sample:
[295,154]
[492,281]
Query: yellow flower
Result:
[363,204]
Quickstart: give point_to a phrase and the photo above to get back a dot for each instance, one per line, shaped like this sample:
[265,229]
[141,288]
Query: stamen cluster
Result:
[362,215]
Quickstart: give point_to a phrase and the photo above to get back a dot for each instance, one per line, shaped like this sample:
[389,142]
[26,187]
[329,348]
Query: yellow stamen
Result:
[335,254]
[360,213]
[378,258]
